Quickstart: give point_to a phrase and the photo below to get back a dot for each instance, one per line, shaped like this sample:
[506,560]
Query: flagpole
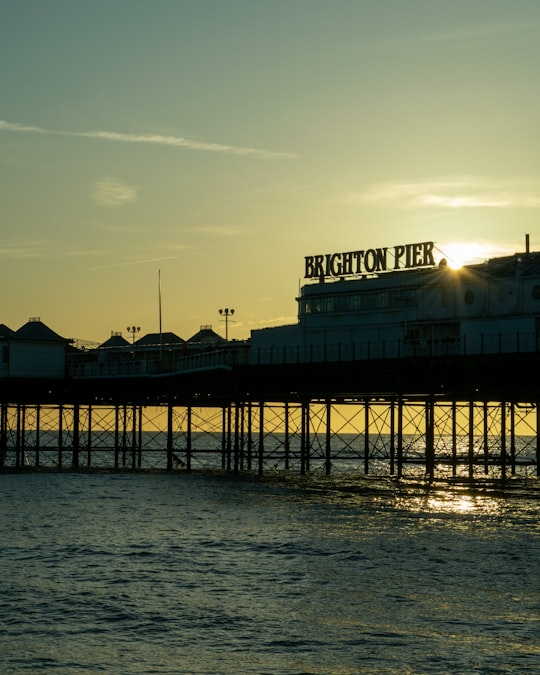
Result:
[160,327]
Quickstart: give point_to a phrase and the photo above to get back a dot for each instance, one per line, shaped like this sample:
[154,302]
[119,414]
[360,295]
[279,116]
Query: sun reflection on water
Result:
[454,501]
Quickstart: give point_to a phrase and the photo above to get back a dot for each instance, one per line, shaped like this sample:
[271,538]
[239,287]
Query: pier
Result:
[451,416]
[424,371]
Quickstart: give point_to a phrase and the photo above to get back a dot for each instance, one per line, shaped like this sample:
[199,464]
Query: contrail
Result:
[150,139]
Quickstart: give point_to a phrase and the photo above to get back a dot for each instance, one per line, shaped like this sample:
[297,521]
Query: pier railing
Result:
[150,365]
[518,342]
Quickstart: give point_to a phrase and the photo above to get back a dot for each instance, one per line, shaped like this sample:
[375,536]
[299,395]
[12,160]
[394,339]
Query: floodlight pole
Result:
[133,330]
[226,313]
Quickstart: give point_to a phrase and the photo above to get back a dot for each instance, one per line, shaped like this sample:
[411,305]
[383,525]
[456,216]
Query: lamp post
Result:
[226,313]
[133,330]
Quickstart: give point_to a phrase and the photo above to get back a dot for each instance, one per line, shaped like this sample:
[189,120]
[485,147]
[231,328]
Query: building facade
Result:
[482,308]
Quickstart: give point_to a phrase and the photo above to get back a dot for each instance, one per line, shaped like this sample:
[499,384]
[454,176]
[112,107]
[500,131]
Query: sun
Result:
[458,254]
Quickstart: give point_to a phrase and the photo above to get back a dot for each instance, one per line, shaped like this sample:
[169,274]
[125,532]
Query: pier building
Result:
[491,307]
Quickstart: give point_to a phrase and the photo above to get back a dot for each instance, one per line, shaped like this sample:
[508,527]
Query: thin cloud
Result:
[84,252]
[125,263]
[451,193]
[45,249]
[112,192]
[460,37]
[18,252]
[150,139]
[119,227]
[174,247]
[217,231]
[478,32]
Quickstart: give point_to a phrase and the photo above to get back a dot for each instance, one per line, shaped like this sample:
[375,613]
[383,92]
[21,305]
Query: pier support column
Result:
[486,437]
[430,438]
[392,436]
[236,462]
[60,434]
[513,439]
[3,433]
[89,438]
[454,439]
[229,436]
[287,437]
[366,436]
[304,440]
[19,458]
[328,449]
[169,436]
[188,439]
[261,439]
[223,437]
[249,435]
[400,438]
[23,436]
[308,439]
[242,435]
[538,438]
[471,440]
[139,439]
[133,437]
[38,433]
[75,449]
[124,435]
[116,436]
[503,440]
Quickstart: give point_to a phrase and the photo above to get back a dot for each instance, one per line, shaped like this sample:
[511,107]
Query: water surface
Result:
[157,573]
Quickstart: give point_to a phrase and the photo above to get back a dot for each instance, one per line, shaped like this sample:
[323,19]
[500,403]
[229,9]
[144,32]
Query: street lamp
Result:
[133,330]
[226,313]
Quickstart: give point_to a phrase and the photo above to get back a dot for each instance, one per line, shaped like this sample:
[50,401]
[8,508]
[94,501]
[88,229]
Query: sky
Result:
[213,144]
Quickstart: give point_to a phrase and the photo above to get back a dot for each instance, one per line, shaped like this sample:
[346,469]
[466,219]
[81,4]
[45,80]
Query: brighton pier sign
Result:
[369,261]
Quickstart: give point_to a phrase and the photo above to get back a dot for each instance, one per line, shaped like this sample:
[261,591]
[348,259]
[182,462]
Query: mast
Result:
[160,326]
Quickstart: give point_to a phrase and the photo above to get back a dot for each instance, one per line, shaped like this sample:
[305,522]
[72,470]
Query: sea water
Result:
[207,573]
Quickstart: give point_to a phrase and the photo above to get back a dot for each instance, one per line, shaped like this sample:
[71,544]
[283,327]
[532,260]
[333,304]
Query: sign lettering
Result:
[370,261]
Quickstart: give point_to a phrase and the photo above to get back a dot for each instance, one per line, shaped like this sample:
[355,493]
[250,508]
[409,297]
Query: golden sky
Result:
[218,142]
